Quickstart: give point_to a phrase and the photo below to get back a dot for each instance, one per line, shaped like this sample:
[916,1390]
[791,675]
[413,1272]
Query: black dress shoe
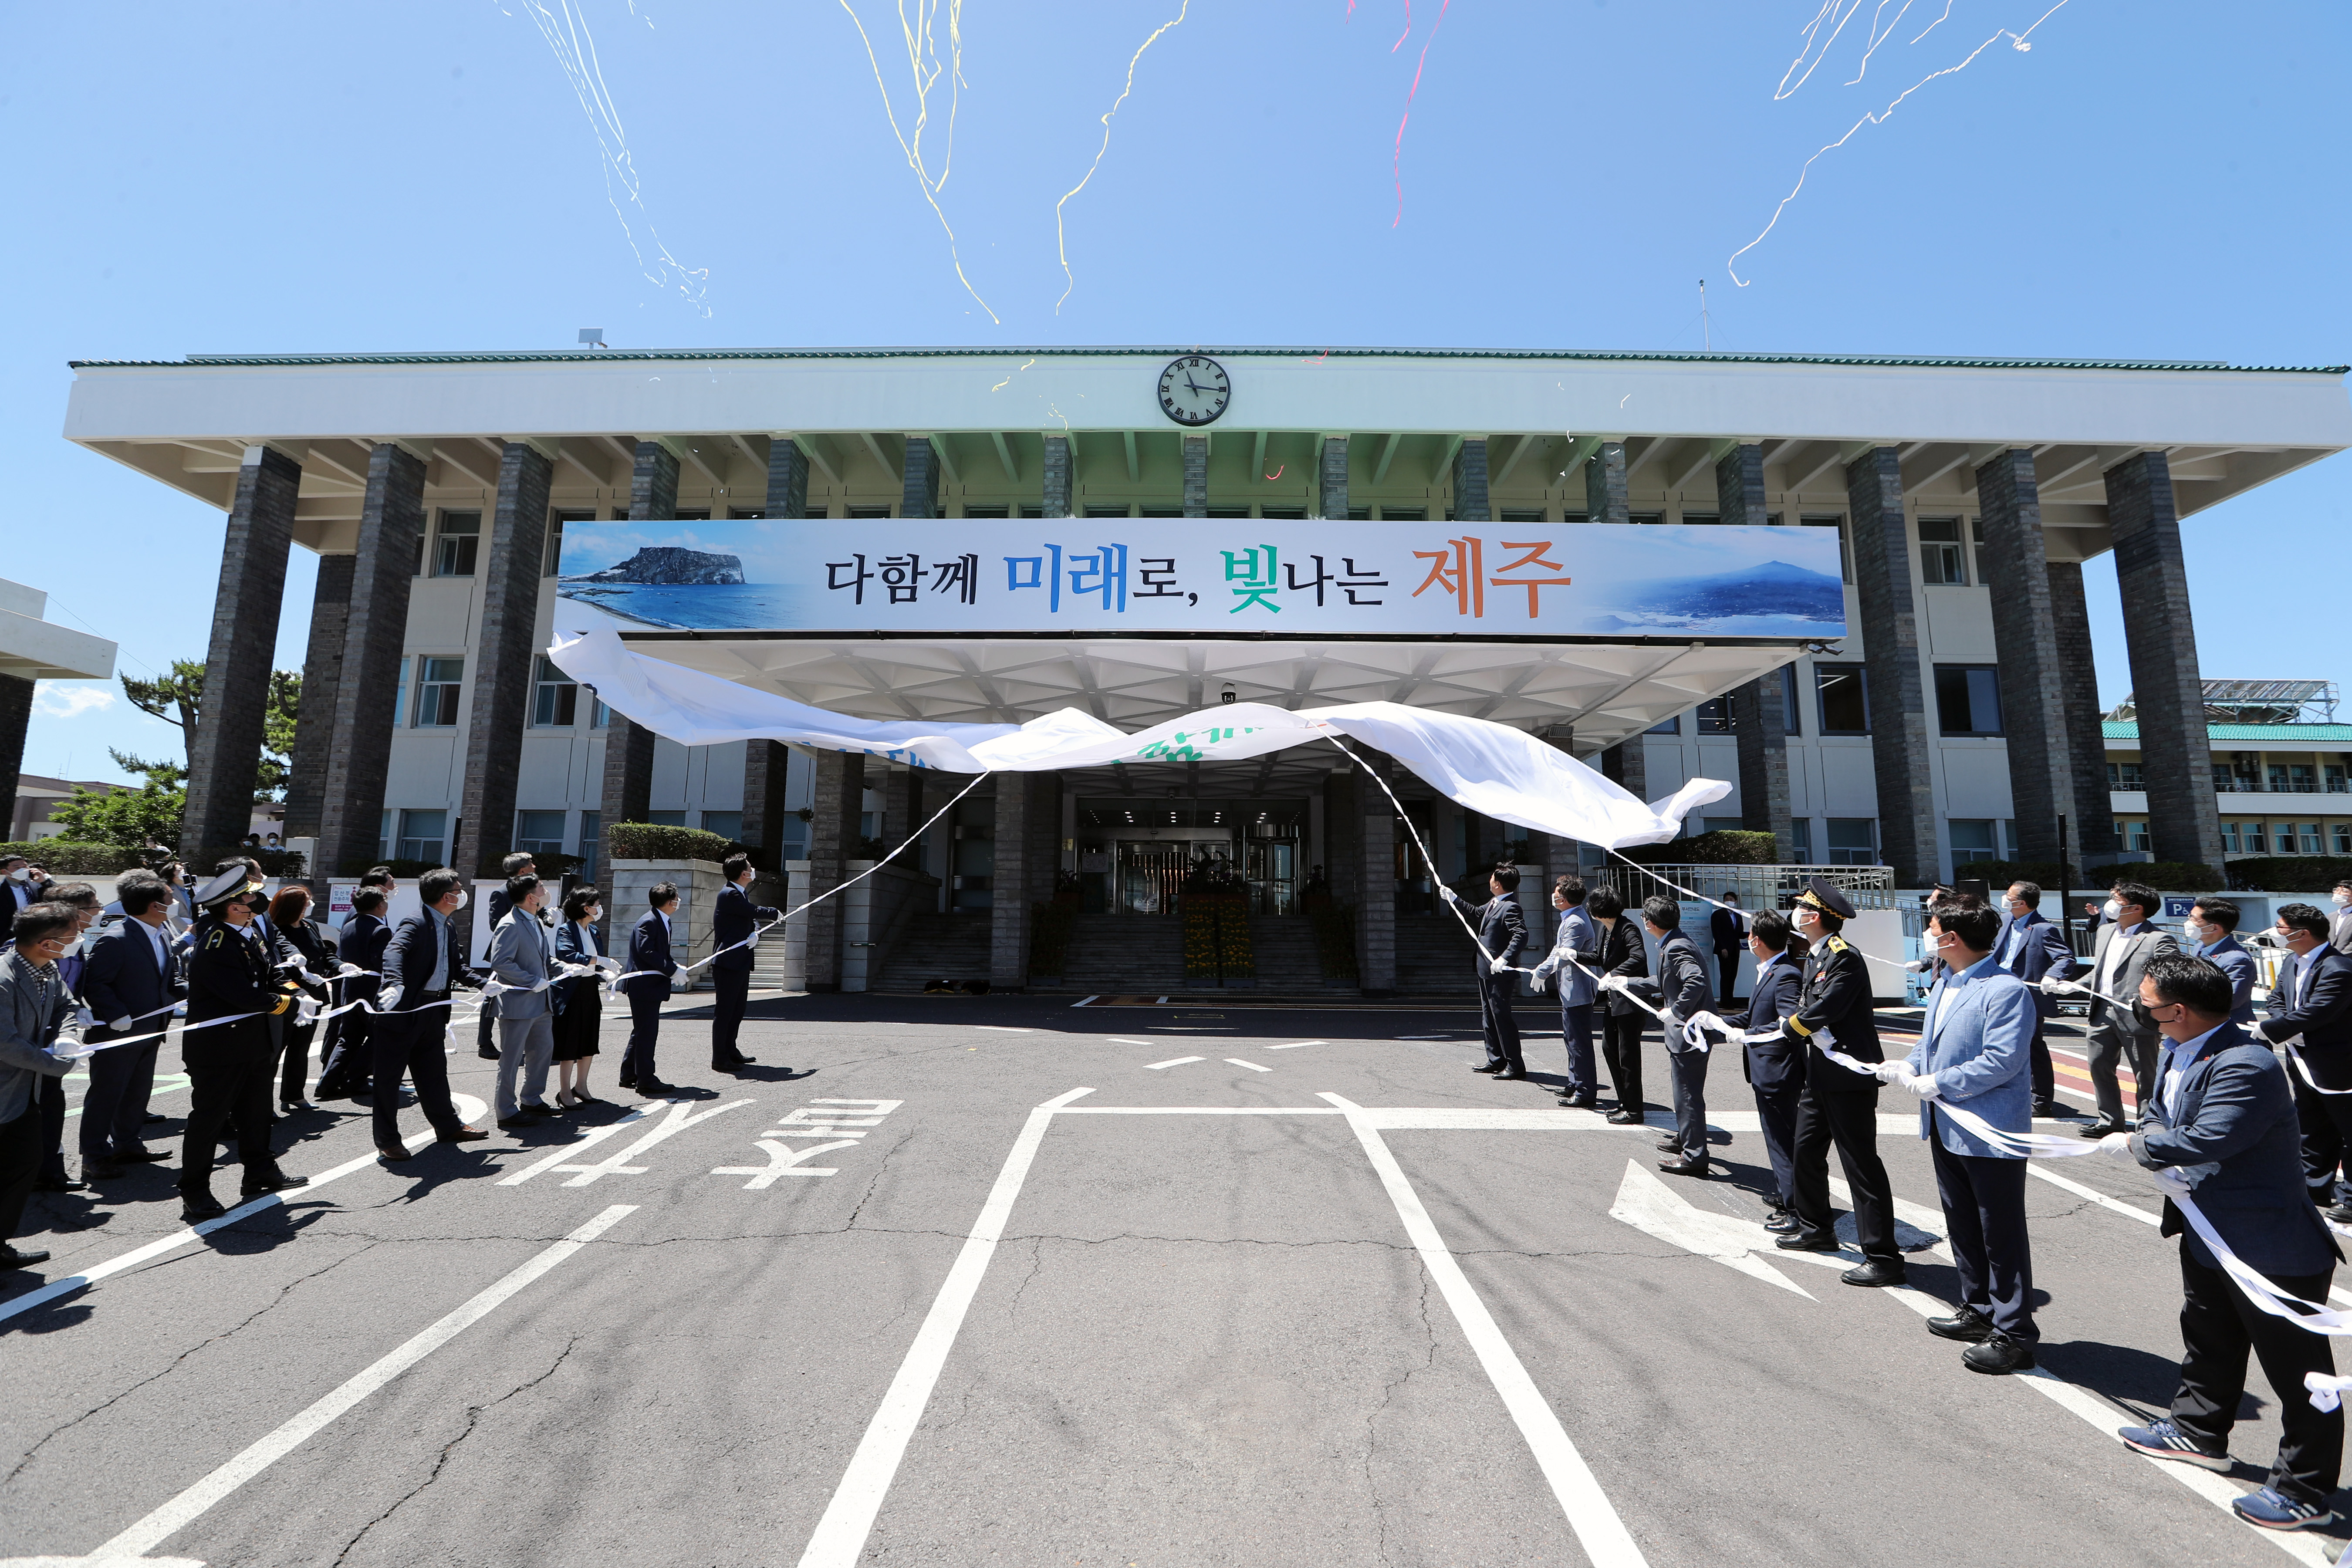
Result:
[2048,1109]
[276,1182]
[1968,1325]
[1623,1118]
[2096,1129]
[629,1083]
[21,1257]
[1511,1075]
[1578,1102]
[487,1053]
[540,1108]
[143,1156]
[518,1123]
[1998,1353]
[1876,1271]
[99,1170]
[58,1185]
[1800,1241]
[1669,1145]
[653,1089]
[1684,1167]
[1488,1067]
[195,1210]
[463,1135]
[1782,1224]
[152,1116]
[742,1062]
[393,1152]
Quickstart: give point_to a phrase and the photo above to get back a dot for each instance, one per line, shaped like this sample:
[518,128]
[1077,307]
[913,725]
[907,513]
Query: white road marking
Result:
[1171,1062]
[1590,1514]
[1163,999]
[676,1122]
[1296,1043]
[467,1106]
[1237,1061]
[571,1150]
[2035,1168]
[1084,1000]
[182,1510]
[166,1083]
[1649,1205]
[1003,1029]
[1115,1040]
[1199,1109]
[840,1538]
[783,1160]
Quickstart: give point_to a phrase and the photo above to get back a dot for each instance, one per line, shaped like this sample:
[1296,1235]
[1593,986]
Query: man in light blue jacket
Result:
[522,955]
[1976,1053]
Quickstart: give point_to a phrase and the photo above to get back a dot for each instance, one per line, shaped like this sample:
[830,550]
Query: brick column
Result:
[1627,765]
[2033,677]
[767,763]
[2092,829]
[1375,868]
[1470,502]
[1008,912]
[226,754]
[2176,751]
[15,716]
[1739,487]
[1196,476]
[314,718]
[628,749]
[1559,854]
[921,470]
[1060,479]
[1331,478]
[653,483]
[1890,635]
[392,521]
[902,790]
[837,793]
[1605,498]
[503,652]
[1759,724]
[788,469]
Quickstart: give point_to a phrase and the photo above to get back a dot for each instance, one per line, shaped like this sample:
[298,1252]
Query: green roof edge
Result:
[2317,734]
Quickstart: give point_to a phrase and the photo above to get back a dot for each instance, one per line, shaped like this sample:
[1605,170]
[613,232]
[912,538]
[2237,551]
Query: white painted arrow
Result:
[1647,1204]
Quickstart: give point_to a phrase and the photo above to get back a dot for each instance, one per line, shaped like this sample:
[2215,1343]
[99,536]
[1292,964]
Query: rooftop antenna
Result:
[594,337]
[1706,325]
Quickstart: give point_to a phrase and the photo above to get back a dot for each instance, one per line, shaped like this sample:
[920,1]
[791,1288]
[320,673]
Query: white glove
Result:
[1448,894]
[2060,987]
[121,1026]
[1923,1085]
[1920,965]
[2117,1144]
[1612,983]
[1890,1072]
[678,975]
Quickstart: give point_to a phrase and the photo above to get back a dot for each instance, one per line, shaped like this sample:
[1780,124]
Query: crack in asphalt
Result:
[1371,1420]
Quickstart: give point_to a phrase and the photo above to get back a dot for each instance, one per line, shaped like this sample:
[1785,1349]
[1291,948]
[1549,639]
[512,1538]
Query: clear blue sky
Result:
[2146,180]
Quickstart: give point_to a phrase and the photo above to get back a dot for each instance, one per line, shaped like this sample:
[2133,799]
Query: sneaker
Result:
[2160,1439]
[2273,1509]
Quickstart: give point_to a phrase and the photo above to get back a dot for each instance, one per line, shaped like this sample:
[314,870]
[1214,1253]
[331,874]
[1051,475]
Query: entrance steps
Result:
[934,946]
[1284,948]
[1434,956]
[1124,955]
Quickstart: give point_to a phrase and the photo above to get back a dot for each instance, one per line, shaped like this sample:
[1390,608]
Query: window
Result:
[2342,834]
[667,818]
[1404,514]
[2283,837]
[1844,703]
[422,836]
[1033,511]
[539,833]
[1854,841]
[1941,563]
[1967,698]
[437,684]
[1673,726]
[1801,839]
[2335,778]
[592,845]
[2124,776]
[555,526]
[2230,837]
[987,511]
[874,511]
[1105,511]
[599,716]
[1298,513]
[2302,779]
[1229,513]
[2135,834]
[1845,554]
[555,698]
[2310,836]
[1646,519]
[728,824]
[1701,518]
[1714,717]
[795,837]
[1523,514]
[383,836]
[454,546]
[747,514]
[1162,511]
[1973,839]
[2225,780]
[1789,703]
[703,516]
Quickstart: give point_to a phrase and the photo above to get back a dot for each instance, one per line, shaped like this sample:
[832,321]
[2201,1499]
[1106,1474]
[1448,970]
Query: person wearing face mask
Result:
[1839,1106]
[423,965]
[2121,1034]
[2031,947]
[735,919]
[16,889]
[2339,933]
[82,899]
[1776,1068]
[579,1004]
[34,1005]
[350,1072]
[2312,1004]
[2209,931]
[231,976]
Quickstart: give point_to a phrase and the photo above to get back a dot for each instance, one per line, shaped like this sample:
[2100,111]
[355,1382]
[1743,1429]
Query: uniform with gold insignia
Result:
[232,974]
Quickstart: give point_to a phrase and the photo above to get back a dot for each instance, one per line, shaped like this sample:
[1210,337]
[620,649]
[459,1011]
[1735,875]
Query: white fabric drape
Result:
[1492,768]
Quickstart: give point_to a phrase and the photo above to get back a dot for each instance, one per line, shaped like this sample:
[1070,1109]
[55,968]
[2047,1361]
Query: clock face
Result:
[1194,390]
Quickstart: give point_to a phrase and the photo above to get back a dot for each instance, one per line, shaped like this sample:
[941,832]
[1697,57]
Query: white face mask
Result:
[460,903]
[594,916]
[2111,910]
[2341,898]
[19,873]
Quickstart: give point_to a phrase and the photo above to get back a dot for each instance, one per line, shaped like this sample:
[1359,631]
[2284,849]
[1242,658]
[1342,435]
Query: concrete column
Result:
[392,521]
[629,750]
[314,718]
[2183,818]
[1060,476]
[1739,487]
[2091,830]
[921,470]
[837,790]
[503,654]
[1470,502]
[1890,633]
[15,716]
[788,470]
[1375,868]
[1331,478]
[1759,724]
[1008,915]
[1626,764]
[226,753]
[766,766]
[2034,677]
[1196,476]
[1605,496]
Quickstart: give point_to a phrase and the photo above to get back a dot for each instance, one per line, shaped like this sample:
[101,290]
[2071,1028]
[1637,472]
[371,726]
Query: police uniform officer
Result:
[232,973]
[1838,1106]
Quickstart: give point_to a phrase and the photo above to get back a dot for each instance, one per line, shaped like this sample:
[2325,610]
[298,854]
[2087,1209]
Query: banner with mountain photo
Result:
[1386,578]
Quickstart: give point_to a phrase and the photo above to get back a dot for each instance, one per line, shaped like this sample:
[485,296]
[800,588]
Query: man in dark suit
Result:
[349,1071]
[2210,931]
[1775,1069]
[2031,947]
[2222,1116]
[1502,937]
[423,965]
[2311,1006]
[1726,929]
[1683,995]
[1839,1106]
[131,980]
[232,973]
[735,920]
[519,864]
[17,889]
[650,958]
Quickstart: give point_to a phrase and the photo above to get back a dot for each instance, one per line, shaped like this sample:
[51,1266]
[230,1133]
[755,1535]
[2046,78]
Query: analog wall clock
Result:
[1194,390]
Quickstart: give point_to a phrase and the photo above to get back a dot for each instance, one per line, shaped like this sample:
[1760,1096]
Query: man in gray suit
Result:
[522,955]
[2127,1032]
[2339,928]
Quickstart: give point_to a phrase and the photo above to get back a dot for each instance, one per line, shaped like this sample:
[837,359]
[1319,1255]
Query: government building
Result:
[1851,585]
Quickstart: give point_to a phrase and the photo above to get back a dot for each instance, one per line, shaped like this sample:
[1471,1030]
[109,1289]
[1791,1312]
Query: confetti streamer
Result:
[1061,242]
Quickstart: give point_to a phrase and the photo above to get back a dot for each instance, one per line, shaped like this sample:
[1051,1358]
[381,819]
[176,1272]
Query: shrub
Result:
[1216,937]
[658,841]
[70,857]
[2286,873]
[1724,847]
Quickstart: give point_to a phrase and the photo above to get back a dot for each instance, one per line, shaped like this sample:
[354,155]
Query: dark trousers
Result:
[53,1132]
[2218,1327]
[1984,1217]
[1726,967]
[1494,993]
[350,1062]
[485,1033]
[1620,1048]
[120,1080]
[727,1014]
[1850,1121]
[645,1032]
[294,1056]
[2111,1048]
[20,1162]
[2044,1076]
[1576,1034]
[228,1088]
[411,1043]
[1776,1115]
[2326,1135]
[1689,1071]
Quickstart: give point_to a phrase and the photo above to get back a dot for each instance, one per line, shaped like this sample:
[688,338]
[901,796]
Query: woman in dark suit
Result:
[1622,954]
[579,1004]
[289,918]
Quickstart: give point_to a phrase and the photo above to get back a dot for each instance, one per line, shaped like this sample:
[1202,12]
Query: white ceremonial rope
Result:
[2290,1045]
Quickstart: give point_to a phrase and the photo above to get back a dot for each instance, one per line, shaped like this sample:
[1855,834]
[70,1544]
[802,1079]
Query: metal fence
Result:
[1758,887]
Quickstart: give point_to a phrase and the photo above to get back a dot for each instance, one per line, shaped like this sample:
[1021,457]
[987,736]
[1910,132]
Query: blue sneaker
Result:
[2161,1439]
[2272,1510]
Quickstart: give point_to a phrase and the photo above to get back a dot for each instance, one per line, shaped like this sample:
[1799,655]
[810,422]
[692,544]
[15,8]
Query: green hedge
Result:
[659,841]
[2290,873]
[1724,847]
[65,857]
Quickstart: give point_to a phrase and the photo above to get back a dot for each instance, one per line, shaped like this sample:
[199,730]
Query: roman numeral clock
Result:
[1194,390]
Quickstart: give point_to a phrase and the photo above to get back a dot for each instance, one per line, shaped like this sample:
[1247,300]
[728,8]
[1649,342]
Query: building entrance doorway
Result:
[1135,856]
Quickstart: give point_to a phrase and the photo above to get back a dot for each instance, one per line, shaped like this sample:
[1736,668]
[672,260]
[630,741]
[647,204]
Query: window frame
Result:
[1825,674]
[1978,682]
[464,559]
[448,692]
[1943,562]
